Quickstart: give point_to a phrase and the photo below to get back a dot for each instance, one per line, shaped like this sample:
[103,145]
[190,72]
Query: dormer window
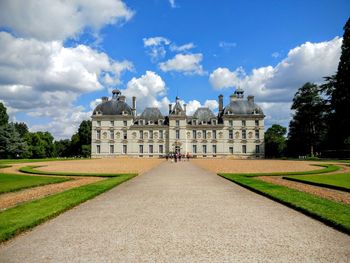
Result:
[194,122]
[160,122]
[150,122]
[214,122]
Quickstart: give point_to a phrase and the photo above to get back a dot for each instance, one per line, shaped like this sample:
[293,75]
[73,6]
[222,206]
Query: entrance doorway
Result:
[177,149]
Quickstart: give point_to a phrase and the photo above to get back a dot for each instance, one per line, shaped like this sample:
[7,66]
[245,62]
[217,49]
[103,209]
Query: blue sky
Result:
[60,58]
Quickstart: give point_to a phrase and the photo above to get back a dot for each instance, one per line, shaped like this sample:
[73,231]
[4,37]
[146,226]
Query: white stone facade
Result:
[236,133]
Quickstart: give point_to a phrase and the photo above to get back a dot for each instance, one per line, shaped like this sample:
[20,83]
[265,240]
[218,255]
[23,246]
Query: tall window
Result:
[230,134]
[257,134]
[244,148]
[98,123]
[214,134]
[161,134]
[257,148]
[98,134]
[151,134]
[140,148]
[230,149]
[112,123]
[214,149]
[244,134]
[177,123]
[141,134]
[214,122]
[194,148]
[150,148]
[125,123]
[161,149]
[125,135]
[204,149]
[256,122]
[111,148]
[230,123]
[111,134]
[98,148]
[194,134]
[125,149]
[177,134]
[243,123]
[204,134]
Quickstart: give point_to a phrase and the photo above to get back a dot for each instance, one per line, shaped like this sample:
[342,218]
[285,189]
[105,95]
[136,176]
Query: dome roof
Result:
[242,107]
[114,106]
[151,114]
[203,114]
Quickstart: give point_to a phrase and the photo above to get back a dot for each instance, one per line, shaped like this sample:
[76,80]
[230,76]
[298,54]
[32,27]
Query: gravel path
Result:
[178,212]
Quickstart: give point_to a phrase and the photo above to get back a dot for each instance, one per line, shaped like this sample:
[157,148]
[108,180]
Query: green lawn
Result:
[9,161]
[25,216]
[33,170]
[332,213]
[15,182]
[335,181]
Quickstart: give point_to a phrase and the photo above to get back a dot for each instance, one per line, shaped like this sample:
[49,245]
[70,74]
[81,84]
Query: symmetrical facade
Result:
[236,131]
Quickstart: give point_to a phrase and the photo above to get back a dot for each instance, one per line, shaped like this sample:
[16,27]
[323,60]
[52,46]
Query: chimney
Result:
[250,98]
[169,108]
[185,107]
[104,99]
[221,103]
[121,98]
[134,105]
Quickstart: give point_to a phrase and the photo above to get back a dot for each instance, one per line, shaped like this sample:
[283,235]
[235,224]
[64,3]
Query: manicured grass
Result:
[15,182]
[4,166]
[327,169]
[332,213]
[32,170]
[334,181]
[22,217]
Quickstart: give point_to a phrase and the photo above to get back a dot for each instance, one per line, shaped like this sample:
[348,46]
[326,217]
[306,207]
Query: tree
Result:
[4,118]
[275,141]
[307,128]
[337,90]
[62,148]
[12,145]
[40,144]
[81,141]
[21,128]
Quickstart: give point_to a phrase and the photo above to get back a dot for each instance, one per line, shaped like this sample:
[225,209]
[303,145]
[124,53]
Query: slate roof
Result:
[113,107]
[242,107]
[203,114]
[151,114]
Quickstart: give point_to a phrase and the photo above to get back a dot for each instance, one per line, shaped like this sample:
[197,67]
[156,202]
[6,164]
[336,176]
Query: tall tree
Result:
[4,118]
[21,128]
[307,128]
[275,141]
[12,145]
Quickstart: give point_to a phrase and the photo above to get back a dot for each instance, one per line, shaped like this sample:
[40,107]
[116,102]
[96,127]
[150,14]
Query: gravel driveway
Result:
[178,212]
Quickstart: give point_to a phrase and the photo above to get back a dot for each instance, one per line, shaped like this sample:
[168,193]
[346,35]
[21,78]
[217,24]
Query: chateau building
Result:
[236,131]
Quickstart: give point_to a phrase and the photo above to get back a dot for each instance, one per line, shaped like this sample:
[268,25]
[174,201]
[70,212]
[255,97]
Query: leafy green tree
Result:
[275,141]
[12,145]
[62,148]
[4,118]
[21,128]
[307,128]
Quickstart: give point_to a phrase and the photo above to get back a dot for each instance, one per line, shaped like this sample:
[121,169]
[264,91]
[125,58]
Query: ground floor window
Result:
[98,148]
[257,148]
[161,150]
[194,148]
[244,148]
[111,148]
[204,149]
[125,149]
[214,148]
[150,149]
[140,148]
[230,149]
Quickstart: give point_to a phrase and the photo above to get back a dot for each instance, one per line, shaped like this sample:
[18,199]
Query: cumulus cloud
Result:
[182,48]
[43,77]
[309,62]
[58,20]
[156,47]
[189,64]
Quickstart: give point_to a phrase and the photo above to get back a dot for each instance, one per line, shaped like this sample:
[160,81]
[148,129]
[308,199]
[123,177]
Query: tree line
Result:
[17,142]
[321,121]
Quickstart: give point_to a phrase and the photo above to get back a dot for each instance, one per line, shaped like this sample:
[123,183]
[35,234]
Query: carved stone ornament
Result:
[221,135]
[237,135]
[250,135]
[117,135]
[104,135]
[134,135]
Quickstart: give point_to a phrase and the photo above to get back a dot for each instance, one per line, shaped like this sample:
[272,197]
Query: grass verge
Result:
[23,217]
[16,182]
[9,161]
[327,168]
[333,181]
[33,170]
[329,212]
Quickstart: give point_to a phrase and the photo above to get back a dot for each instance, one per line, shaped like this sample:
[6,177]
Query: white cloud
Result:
[58,20]
[193,105]
[172,3]
[275,54]
[156,47]
[181,48]
[44,79]
[274,87]
[188,64]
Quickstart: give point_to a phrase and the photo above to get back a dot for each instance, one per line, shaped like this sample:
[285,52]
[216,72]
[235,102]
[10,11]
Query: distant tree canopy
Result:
[275,141]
